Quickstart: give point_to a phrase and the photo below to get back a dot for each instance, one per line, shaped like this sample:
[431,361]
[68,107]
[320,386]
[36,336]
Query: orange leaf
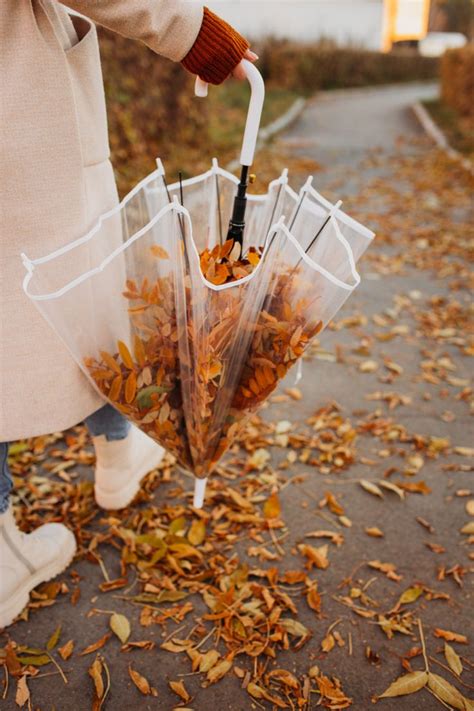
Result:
[141,683]
[115,388]
[125,354]
[130,388]
[271,507]
[159,252]
[451,636]
[96,645]
[110,361]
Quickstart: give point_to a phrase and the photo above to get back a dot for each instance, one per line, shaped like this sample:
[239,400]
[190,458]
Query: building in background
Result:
[374,24]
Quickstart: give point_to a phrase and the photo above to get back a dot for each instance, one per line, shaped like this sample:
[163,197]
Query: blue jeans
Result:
[106,421]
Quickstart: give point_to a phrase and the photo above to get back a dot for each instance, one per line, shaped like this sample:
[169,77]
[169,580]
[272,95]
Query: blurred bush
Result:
[457,80]
[325,66]
[150,106]
[152,110]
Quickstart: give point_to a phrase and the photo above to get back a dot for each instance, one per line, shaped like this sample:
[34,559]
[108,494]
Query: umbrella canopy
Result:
[184,331]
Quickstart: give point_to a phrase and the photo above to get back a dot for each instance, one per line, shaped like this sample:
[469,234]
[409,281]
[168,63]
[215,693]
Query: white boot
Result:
[26,560]
[121,465]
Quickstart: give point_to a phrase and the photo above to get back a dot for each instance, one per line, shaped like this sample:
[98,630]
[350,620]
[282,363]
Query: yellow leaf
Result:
[392,487]
[293,627]
[208,660]
[197,532]
[407,684]
[54,639]
[447,692]
[328,643]
[120,625]
[410,595]
[368,366]
[371,488]
[453,659]
[256,691]
[468,528]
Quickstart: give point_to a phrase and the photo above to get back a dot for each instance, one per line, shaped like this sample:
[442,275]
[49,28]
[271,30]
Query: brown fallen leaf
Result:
[331,692]
[96,645]
[374,532]
[450,636]
[95,672]
[414,487]
[336,538]
[218,671]
[179,689]
[389,569]
[22,692]
[141,683]
[66,650]
[316,556]
[146,644]
[272,507]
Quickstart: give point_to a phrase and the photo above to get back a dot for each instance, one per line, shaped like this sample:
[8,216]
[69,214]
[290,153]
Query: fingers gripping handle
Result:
[254,114]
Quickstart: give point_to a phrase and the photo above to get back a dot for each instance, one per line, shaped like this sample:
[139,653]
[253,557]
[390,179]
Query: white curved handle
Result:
[254,114]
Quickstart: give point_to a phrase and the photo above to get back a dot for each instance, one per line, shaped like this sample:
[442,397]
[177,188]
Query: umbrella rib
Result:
[181,197]
[179,218]
[310,245]
[298,208]
[219,207]
[274,208]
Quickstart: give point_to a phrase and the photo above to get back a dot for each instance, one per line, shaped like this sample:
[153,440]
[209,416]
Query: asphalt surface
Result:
[339,130]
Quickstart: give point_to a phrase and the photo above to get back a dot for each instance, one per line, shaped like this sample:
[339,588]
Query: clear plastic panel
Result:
[185,360]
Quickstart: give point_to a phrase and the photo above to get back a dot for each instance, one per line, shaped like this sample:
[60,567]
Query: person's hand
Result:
[239,72]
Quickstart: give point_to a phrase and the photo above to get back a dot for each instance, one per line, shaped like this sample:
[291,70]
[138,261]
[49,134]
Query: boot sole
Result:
[11,608]
[114,500]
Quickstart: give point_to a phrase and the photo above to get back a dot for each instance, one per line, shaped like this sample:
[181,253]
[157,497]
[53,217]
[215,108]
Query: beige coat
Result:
[56,178]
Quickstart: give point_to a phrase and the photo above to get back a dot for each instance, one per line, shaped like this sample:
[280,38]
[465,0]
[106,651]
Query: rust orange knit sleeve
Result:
[217,50]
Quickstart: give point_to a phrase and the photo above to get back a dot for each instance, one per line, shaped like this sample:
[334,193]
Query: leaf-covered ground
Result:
[334,553]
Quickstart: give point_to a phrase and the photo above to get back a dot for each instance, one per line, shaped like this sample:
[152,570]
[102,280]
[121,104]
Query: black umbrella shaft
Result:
[237,221]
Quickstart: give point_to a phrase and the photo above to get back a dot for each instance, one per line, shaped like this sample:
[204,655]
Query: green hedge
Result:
[323,66]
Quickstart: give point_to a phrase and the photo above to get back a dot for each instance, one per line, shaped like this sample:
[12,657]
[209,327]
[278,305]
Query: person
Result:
[57,180]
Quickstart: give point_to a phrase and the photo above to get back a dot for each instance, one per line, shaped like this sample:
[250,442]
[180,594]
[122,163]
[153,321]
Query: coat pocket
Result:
[87,85]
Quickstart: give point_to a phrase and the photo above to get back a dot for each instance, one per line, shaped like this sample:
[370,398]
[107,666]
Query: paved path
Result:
[339,127]
[382,323]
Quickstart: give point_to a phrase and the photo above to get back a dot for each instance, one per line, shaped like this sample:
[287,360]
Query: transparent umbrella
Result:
[186,326]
